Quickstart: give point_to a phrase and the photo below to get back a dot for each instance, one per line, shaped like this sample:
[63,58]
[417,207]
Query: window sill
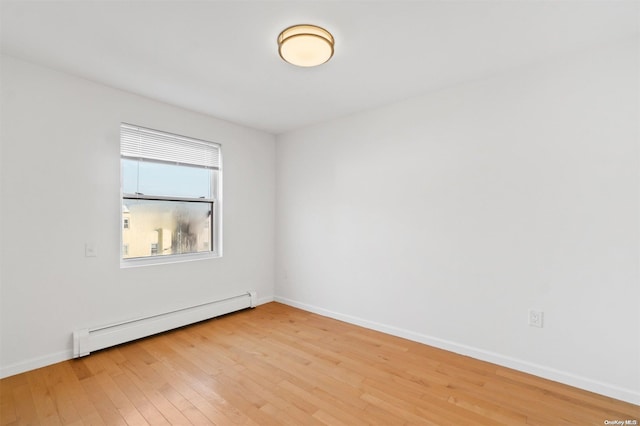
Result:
[167,259]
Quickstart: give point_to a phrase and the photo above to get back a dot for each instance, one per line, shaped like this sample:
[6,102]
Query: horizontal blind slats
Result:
[138,142]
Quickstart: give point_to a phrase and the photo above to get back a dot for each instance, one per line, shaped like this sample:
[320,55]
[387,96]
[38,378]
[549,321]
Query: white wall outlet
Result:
[536,318]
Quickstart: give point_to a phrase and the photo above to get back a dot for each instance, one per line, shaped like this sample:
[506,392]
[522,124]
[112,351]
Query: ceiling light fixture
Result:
[305,45]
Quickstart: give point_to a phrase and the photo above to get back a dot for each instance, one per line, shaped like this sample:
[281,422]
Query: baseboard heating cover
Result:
[87,340]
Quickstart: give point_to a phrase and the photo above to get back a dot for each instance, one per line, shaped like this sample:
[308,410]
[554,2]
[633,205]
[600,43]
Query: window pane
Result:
[169,180]
[158,228]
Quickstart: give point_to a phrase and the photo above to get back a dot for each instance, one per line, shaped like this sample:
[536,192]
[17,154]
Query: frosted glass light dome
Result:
[305,45]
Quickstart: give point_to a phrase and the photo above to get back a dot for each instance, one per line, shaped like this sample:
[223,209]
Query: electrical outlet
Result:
[536,318]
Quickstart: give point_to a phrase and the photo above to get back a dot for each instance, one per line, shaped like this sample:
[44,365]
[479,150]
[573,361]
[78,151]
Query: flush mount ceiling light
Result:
[305,45]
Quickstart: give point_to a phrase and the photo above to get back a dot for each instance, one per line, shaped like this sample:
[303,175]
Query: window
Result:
[170,189]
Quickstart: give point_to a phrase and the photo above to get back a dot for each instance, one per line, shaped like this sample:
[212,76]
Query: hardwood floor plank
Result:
[99,399]
[58,380]
[327,403]
[327,419]
[203,389]
[43,401]
[277,365]
[120,401]
[26,412]
[70,387]
[571,395]
[137,371]
[431,403]
[7,407]
[139,400]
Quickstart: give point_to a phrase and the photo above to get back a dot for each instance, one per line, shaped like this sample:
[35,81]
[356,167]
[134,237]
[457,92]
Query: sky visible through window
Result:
[151,178]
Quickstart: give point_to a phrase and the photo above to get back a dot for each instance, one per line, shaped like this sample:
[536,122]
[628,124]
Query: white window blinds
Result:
[141,143]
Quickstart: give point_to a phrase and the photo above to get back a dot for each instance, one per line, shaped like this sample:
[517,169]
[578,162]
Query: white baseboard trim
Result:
[549,373]
[34,363]
[263,300]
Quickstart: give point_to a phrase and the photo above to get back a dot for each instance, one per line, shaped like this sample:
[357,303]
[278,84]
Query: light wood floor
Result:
[278,365]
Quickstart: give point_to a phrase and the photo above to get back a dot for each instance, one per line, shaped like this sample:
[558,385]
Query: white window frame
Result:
[216,202]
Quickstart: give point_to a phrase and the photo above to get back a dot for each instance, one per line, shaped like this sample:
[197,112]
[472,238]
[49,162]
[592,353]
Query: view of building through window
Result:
[153,228]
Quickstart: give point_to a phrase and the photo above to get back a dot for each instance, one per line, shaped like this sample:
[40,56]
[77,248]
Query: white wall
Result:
[61,189]
[444,218]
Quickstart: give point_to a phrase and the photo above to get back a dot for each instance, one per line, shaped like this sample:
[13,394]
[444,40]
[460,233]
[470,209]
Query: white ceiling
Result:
[220,58]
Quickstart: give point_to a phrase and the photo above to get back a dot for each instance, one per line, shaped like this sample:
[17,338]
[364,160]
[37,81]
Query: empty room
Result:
[320,212]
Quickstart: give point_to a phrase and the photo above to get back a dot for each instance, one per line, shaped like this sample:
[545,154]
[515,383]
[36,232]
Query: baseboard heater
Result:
[87,340]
